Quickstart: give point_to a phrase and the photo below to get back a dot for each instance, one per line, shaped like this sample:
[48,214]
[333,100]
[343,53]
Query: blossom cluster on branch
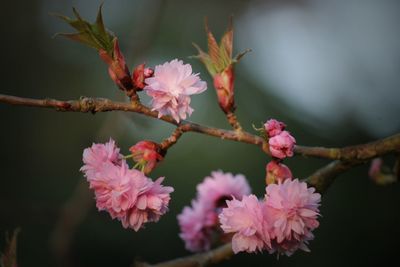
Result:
[223,210]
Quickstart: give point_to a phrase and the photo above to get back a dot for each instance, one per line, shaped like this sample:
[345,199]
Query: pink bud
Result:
[139,74]
[117,68]
[147,154]
[148,72]
[274,127]
[281,145]
[277,172]
[223,83]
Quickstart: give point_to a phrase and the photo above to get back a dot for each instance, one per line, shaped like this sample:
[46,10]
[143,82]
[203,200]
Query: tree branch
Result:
[93,105]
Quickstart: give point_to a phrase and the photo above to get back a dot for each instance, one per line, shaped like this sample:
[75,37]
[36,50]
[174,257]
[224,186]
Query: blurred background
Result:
[328,69]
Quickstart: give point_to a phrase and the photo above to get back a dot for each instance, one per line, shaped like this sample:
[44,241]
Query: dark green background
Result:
[42,149]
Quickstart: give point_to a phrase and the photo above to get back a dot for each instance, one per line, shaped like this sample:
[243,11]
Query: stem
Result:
[233,121]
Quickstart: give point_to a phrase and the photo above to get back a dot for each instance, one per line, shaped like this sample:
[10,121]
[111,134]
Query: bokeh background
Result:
[329,69]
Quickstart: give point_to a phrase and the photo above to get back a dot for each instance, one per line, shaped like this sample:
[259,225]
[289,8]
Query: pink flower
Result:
[147,154]
[170,89]
[151,203]
[245,219]
[98,154]
[281,145]
[274,127]
[277,172]
[126,194]
[117,188]
[198,223]
[219,187]
[291,210]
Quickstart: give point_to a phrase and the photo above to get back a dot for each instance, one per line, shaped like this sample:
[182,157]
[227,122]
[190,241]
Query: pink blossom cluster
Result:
[283,222]
[199,222]
[281,142]
[170,88]
[126,194]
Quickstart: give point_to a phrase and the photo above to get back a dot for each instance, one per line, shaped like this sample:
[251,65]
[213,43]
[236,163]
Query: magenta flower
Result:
[245,219]
[273,127]
[126,194]
[277,172]
[282,145]
[199,223]
[219,187]
[292,211]
[170,89]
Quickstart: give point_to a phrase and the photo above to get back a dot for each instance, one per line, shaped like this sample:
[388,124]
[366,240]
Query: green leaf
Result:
[91,34]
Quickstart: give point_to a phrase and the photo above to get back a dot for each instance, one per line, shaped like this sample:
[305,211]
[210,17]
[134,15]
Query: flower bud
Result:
[380,173]
[273,127]
[223,83]
[147,154]
[277,172]
[282,145]
[117,67]
[139,74]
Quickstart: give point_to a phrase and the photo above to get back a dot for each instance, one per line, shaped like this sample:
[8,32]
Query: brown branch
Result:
[172,139]
[87,104]
[325,176]
[197,260]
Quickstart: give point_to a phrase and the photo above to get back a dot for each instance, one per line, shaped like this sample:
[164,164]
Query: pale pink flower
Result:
[197,226]
[126,194]
[170,88]
[219,187]
[282,145]
[277,172]
[98,154]
[199,223]
[292,211]
[117,188]
[245,219]
[274,127]
[152,202]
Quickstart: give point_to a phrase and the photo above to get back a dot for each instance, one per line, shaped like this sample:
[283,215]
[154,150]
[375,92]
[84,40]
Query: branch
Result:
[357,152]
[87,104]
[214,256]
[325,176]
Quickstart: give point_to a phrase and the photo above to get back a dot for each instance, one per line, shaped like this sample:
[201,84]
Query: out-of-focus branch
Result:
[87,104]
[324,177]
[214,256]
